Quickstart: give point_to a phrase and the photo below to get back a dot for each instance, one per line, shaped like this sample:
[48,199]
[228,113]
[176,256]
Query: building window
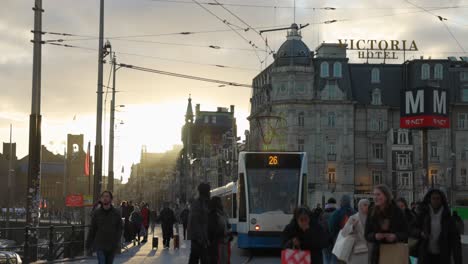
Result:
[374,125]
[377,177]
[213,119]
[331,175]
[403,161]
[377,151]
[331,119]
[300,144]
[331,148]
[464,94]
[434,150]
[438,71]
[375,75]
[300,119]
[463,176]
[207,119]
[337,71]
[402,138]
[433,175]
[463,120]
[463,76]
[324,69]
[425,71]
[376,97]
[381,124]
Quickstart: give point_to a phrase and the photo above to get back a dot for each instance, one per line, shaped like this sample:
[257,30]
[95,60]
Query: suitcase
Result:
[176,241]
[155,242]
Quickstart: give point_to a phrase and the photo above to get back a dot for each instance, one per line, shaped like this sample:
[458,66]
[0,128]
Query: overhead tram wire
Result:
[184,76]
[240,35]
[441,19]
[156,58]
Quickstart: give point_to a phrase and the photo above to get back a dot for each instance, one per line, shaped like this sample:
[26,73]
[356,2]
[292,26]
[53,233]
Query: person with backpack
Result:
[339,218]
[330,208]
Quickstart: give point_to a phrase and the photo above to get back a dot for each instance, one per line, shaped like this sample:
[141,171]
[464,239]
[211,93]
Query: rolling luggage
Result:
[155,242]
[176,241]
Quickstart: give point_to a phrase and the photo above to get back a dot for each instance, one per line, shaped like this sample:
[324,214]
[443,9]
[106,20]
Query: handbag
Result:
[343,246]
[295,256]
[394,253]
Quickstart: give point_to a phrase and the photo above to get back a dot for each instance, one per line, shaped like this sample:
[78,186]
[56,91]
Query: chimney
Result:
[232,109]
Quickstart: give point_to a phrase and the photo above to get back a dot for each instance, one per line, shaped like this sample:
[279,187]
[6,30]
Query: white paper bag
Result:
[343,247]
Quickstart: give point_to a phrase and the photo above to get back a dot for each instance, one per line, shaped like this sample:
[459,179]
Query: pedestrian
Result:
[305,233]
[355,226]
[413,207]
[439,237]
[459,223]
[168,219]
[317,211]
[410,218]
[105,231]
[198,226]
[218,232]
[337,221]
[136,220]
[385,224]
[153,219]
[330,208]
[184,215]
[145,214]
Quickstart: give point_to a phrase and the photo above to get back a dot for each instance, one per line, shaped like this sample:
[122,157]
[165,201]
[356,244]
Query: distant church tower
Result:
[187,151]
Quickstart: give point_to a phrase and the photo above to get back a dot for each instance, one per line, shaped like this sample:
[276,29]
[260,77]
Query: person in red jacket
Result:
[145,213]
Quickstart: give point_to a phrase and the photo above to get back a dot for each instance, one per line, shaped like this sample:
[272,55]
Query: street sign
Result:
[74,200]
[424,107]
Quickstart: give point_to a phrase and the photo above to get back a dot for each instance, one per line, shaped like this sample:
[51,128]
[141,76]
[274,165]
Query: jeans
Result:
[198,254]
[328,257]
[105,257]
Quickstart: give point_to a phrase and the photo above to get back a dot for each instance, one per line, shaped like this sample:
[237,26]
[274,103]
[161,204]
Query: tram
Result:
[270,186]
[228,195]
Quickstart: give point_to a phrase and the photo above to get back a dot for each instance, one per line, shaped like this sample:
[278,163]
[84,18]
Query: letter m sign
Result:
[414,104]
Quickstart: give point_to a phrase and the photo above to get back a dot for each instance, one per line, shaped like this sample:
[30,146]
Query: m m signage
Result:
[424,108]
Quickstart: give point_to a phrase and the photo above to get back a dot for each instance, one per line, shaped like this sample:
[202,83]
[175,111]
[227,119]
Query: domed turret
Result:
[293,52]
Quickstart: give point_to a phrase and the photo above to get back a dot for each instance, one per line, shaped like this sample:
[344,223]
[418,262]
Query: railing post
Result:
[72,242]
[26,244]
[51,256]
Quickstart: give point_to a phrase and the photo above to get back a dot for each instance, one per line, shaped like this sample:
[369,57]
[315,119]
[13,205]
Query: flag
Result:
[87,161]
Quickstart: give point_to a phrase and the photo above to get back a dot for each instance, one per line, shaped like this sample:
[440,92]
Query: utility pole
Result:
[10,172]
[110,178]
[98,146]
[34,178]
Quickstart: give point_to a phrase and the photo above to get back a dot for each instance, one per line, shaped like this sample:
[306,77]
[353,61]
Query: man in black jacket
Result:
[439,237]
[198,226]
[106,230]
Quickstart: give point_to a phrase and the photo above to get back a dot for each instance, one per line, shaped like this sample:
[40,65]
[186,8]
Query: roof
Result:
[293,51]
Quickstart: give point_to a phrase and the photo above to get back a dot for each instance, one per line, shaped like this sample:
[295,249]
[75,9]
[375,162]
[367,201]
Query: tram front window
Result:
[273,190]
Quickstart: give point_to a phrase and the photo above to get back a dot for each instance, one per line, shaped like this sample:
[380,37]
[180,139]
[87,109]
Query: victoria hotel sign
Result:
[379,49]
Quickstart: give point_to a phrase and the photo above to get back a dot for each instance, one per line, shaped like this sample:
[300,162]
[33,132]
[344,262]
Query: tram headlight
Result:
[253,221]
[257,228]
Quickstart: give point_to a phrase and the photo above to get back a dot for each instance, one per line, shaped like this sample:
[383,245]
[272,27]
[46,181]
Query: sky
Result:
[141,33]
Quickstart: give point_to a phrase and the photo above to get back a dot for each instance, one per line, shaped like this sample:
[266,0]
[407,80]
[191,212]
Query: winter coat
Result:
[198,222]
[361,256]
[184,216]
[449,239]
[105,230]
[338,220]
[167,219]
[323,220]
[314,239]
[218,235]
[145,216]
[397,226]
[136,219]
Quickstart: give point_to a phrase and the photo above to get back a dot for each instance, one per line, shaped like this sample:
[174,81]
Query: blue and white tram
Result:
[228,195]
[270,186]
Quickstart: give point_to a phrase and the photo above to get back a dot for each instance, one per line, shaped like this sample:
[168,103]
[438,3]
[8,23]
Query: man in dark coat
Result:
[184,215]
[305,233]
[168,219]
[198,226]
[439,237]
[106,230]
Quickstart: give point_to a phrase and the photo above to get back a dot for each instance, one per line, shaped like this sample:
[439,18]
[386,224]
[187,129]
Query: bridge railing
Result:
[53,242]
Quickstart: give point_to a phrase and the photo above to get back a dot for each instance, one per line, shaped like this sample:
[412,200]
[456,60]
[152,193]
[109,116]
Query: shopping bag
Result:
[343,246]
[394,253]
[295,256]
[413,260]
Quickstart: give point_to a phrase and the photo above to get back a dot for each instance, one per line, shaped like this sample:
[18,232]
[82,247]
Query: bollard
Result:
[72,242]
[51,256]
[26,245]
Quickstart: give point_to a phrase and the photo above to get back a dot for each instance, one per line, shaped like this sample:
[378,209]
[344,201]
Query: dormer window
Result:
[376,97]
[337,70]
[375,75]
[438,71]
[425,71]
[324,70]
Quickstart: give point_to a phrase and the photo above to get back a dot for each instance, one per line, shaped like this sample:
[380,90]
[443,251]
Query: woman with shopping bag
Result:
[303,237]
[355,227]
[386,230]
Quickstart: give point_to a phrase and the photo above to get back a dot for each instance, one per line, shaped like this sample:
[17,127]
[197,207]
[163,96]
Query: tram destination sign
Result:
[379,49]
[273,160]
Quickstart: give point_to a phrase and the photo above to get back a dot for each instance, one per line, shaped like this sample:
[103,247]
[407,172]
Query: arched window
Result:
[375,75]
[425,71]
[337,72]
[438,71]
[376,97]
[331,119]
[324,69]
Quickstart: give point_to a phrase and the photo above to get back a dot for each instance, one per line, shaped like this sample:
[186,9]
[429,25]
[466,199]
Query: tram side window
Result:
[242,204]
